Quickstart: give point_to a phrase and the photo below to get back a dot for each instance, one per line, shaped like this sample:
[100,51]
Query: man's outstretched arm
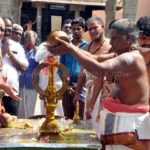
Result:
[88,62]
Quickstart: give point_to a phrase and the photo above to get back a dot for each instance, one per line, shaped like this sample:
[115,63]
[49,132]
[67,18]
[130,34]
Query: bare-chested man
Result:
[144,39]
[98,45]
[125,122]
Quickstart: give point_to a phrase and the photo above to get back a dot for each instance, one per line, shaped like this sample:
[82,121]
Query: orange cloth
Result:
[87,37]
[115,105]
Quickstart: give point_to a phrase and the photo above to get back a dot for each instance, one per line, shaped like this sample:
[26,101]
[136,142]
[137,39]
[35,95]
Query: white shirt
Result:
[41,54]
[9,69]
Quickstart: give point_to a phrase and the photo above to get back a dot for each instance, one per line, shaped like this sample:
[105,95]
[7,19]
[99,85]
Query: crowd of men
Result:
[109,78]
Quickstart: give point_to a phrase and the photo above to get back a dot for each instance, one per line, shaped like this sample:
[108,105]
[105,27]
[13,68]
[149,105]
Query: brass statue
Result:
[76,118]
[50,94]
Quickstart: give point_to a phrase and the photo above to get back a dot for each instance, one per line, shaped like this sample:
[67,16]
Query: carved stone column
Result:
[39,7]
[130,9]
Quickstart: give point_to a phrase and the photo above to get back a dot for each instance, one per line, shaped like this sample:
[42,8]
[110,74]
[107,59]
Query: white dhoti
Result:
[121,122]
[124,123]
[89,94]
[28,103]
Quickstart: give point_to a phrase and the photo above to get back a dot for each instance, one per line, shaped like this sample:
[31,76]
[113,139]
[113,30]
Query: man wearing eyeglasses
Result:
[3,86]
[8,27]
[14,61]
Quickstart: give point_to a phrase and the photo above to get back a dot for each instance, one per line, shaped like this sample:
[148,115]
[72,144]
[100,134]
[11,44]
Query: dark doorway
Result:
[28,13]
[54,10]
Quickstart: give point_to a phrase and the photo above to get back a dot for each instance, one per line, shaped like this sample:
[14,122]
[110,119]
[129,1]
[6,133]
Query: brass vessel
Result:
[76,118]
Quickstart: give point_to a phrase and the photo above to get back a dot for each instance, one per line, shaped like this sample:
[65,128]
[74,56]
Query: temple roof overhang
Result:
[77,2]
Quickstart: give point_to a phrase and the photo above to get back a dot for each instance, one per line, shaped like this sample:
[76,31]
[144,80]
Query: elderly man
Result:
[14,60]
[98,45]
[8,89]
[125,121]
[8,27]
[27,91]
[3,86]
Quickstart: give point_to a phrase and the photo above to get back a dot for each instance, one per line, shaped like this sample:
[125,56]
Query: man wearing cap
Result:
[17,31]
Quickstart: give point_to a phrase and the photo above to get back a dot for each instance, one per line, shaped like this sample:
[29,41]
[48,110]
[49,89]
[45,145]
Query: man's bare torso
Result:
[133,83]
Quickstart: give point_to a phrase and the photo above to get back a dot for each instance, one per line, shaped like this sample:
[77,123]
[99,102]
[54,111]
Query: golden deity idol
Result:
[50,94]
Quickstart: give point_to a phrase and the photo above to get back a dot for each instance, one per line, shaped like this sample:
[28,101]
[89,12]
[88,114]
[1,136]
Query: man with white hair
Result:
[124,120]
[27,91]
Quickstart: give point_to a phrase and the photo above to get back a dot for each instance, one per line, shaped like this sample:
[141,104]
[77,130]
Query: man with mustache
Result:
[144,39]
[98,45]
[125,121]
[3,86]
[14,61]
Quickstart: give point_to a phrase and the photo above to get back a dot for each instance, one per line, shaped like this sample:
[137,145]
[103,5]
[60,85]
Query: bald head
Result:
[8,27]
[2,28]
[8,22]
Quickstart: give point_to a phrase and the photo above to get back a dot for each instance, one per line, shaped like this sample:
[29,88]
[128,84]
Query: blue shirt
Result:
[72,65]
[25,79]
